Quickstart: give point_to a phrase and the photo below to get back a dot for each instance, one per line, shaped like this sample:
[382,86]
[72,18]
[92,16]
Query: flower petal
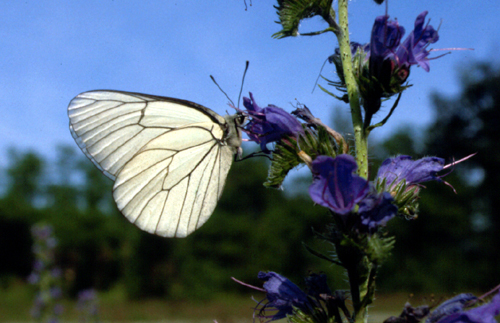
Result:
[269,124]
[482,314]
[399,168]
[376,209]
[282,294]
[335,185]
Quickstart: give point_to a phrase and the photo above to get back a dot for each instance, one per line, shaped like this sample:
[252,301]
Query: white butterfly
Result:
[169,158]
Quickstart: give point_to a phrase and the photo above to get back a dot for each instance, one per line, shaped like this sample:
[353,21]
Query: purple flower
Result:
[33,278]
[385,38]
[282,295]
[389,60]
[56,272]
[58,309]
[399,168]
[87,295]
[482,314]
[386,35]
[335,185]
[55,292]
[375,210]
[41,232]
[38,305]
[87,303]
[51,242]
[38,265]
[317,286]
[413,50]
[269,124]
[451,306]
[385,45]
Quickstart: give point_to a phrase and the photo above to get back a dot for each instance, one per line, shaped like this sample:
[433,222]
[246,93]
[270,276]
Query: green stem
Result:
[361,283]
[358,288]
[360,135]
[353,276]
[370,289]
[358,284]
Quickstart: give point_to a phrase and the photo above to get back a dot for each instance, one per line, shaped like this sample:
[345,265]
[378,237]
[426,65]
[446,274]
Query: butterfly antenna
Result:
[213,79]
[246,7]
[243,80]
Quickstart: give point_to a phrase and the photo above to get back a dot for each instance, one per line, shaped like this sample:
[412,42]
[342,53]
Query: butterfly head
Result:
[233,131]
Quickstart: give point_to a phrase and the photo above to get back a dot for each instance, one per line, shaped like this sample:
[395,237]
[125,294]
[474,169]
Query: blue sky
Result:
[52,50]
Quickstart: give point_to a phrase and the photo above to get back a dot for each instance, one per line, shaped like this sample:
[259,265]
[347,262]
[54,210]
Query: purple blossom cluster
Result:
[87,306]
[284,298]
[387,55]
[45,275]
[337,187]
[459,310]
[359,207]
[269,124]
[383,65]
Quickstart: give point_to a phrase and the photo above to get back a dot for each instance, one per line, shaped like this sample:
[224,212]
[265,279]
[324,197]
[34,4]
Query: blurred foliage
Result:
[453,245]
[252,229]
[467,124]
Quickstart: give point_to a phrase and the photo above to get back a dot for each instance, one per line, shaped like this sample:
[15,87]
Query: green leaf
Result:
[322,256]
[344,98]
[315,142]
[378,249]
[285,158]
[291,12]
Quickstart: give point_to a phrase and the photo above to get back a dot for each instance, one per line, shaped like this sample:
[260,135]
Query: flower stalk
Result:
[358,288]
[369,74]
[360,136]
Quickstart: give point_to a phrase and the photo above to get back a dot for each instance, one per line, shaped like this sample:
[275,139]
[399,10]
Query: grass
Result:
[16,301]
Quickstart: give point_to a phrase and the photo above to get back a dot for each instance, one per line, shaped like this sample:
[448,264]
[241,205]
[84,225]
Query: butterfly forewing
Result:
[168,156]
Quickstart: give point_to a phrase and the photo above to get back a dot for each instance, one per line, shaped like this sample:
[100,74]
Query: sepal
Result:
[292,12]
[374,247]
[285,158]
[405,197]
[379,248]
[287,151]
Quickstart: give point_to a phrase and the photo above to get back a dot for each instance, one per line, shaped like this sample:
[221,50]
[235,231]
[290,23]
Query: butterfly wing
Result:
[167,156]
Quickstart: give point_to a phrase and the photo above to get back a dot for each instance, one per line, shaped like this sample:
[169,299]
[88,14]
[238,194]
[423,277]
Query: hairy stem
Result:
[357,284]
[353,91]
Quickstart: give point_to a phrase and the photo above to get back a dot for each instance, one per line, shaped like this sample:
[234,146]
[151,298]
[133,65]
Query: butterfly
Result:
[168,158]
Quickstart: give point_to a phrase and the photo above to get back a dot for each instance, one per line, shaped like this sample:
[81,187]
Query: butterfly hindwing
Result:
[167,156]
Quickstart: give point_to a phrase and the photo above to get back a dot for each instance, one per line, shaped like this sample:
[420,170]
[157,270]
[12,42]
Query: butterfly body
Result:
[169,158]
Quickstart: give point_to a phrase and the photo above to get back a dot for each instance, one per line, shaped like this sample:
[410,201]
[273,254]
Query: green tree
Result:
[62,193]
[468,124]
[17,212]
[24,176]
[252,229]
